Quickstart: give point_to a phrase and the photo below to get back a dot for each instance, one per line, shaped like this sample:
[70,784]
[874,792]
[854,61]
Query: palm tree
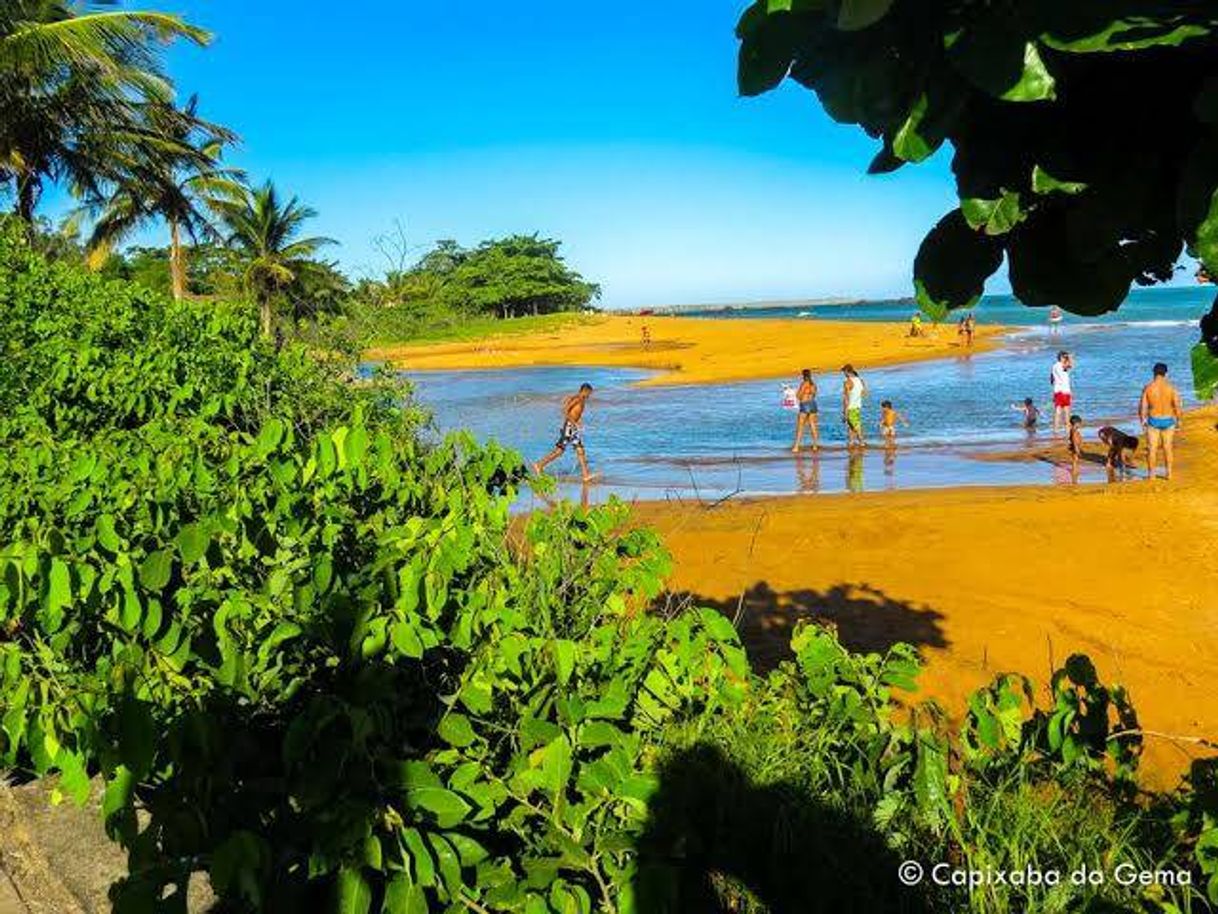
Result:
[71,87]
[180,180]
[264,230]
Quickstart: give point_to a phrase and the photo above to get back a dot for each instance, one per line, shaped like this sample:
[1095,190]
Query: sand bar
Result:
[696,350]
[989,580]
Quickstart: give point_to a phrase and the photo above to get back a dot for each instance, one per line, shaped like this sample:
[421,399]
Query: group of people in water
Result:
[1159,411]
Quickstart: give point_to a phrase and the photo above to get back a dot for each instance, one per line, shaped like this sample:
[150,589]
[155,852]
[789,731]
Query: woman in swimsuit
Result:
[807,416]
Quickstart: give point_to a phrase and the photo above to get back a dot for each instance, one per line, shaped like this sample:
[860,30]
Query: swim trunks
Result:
[1161,423]
[569,435]
[1062,398]
[854,418]
[809,407]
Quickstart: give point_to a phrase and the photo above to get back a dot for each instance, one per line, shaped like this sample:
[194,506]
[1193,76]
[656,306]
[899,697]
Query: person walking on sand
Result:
[807,415]
[1063,391]
[571,433]
[853,391]
[1161,415]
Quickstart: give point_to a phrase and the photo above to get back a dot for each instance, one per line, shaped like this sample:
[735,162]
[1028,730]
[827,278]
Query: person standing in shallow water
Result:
[1161,414]
[806,418]
[853,391]
[1063,391]
[571,432]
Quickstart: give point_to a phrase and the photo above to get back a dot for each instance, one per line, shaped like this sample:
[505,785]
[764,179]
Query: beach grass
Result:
[455,328]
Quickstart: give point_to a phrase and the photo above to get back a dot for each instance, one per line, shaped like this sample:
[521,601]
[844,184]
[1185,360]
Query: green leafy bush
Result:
[320,662]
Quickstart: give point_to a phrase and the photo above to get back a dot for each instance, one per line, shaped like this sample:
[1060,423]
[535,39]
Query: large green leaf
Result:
[1205,371]
[352,893]
[766,50]
[448,807]
[1197,203]
[860,14]
[992,55]
[953,264]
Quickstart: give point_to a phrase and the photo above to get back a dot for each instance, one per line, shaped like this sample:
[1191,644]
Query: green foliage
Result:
[316,660]
[452,287]
[1035,98]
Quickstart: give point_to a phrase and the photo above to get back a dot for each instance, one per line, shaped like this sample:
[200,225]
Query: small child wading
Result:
[889,417]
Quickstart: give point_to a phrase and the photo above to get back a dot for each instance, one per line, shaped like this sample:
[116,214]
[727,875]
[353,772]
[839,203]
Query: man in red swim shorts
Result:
[1063,395]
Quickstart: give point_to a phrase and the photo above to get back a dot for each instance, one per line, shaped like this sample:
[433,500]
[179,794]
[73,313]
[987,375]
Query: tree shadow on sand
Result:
[712,833]
[864,617]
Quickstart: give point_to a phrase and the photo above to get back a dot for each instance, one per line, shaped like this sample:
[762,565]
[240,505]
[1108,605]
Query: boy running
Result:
[571,433]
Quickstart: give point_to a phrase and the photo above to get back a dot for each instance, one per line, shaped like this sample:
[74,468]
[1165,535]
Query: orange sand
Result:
[695,350]
[989,580]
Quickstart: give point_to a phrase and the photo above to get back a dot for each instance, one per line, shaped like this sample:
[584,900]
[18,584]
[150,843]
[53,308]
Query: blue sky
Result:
[615,128]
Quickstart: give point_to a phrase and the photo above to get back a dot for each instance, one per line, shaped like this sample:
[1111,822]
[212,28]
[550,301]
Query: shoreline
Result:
[696,350]
[986,579]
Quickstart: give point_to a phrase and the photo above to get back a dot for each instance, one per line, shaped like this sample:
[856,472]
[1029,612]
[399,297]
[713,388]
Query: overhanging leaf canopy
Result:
[1085,135]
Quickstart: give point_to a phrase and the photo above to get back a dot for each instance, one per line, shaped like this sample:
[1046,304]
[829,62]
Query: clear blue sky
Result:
[615,128]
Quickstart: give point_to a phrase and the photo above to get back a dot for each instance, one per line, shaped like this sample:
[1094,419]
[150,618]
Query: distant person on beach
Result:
[1031,415]
[571,433]
[1063,391]
[966,328]
[853,391]
[1119,443]
[646,336]
[1055,319]
[915,325]
[1075,444]
[1161,415]
[806,418]
[889,417]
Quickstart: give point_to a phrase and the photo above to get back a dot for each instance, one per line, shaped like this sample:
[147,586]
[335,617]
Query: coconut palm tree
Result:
[265,230]
[179,179]
[71,89]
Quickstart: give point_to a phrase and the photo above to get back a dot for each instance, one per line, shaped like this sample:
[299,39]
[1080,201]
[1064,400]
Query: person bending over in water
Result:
[1075,444]
[1031,415]
[807,416]
[853,391]
[571,432]
[1161,414]
[1118,443]
[889,417]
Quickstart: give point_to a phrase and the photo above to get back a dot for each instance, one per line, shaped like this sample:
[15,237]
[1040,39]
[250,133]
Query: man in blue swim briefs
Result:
[571,432]
[1161,415]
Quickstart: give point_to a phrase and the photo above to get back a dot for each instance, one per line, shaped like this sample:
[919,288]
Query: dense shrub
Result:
[316,659]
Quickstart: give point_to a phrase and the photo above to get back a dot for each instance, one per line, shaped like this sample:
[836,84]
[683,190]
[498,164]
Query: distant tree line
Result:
[86,106]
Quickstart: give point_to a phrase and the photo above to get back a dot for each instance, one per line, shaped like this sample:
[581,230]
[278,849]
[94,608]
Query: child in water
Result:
[1031,415]
[1075,443]
[889,417]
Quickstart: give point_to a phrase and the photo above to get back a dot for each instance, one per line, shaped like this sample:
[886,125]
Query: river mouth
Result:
[709,442]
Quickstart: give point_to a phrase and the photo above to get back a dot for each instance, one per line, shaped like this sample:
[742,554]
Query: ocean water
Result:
[711,441]
[1173,303]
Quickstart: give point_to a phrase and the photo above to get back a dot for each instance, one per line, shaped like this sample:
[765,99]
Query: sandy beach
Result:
[695,350]
[989,580]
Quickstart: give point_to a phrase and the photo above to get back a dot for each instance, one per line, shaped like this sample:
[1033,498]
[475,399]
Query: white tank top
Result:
[854,399]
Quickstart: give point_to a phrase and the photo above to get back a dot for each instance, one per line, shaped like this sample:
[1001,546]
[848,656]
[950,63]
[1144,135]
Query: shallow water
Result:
[709,441]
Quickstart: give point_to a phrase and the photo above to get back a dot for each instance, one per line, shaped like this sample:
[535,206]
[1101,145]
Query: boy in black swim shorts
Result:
[571,433]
